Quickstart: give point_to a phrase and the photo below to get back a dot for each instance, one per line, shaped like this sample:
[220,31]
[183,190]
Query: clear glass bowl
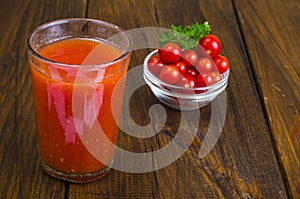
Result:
[181,98]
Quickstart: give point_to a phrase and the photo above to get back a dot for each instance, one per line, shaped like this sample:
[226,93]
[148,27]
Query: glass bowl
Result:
[181,98]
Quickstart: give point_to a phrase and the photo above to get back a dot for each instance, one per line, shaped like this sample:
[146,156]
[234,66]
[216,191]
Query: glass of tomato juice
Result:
[76,65]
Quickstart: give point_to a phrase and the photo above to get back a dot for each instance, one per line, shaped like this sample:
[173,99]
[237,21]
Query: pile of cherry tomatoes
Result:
[198,67]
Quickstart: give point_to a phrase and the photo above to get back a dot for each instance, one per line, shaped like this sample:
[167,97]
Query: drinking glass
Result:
[75,65]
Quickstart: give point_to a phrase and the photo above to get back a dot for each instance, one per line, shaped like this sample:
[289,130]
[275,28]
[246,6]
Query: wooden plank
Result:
[243,161]
[20,173]
[273,44]
[241,165]
[117,184]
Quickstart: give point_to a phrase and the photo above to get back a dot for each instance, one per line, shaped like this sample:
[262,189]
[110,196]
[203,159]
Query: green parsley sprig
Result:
[187,37]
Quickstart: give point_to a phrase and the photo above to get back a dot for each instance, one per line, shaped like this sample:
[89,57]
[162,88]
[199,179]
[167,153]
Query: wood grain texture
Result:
[245,133]
[273,46]
[261,132]
[20,173]
[242,164]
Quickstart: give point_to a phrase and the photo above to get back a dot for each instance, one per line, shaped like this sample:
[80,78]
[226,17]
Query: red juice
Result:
[60,144]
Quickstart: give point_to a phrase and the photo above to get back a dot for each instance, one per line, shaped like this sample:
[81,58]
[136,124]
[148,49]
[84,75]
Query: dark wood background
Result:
[258,153]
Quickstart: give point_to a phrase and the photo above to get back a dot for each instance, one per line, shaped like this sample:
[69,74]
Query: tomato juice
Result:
[71,66]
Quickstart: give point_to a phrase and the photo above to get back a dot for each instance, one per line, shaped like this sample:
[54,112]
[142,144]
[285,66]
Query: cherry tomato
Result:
[187,81]
[155,64]
[181,67]
[200,81]
[204,79]
[192,71]
[189,57]
[216,76]
[211,44]
[169,74]
[204,65]
[170,52]
[222,63]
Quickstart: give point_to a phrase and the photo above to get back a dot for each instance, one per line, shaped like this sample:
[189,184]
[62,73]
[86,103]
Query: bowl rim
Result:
[172,87]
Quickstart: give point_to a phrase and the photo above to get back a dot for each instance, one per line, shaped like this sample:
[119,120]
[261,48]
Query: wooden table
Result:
[258,152]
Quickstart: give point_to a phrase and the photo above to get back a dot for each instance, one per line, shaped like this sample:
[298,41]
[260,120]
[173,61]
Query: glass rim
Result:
[64,20]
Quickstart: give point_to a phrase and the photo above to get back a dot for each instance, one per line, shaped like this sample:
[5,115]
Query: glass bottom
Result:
[73,177]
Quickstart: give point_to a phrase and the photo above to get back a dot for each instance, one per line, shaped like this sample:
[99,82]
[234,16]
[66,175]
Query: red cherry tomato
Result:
[192,71]
[222,63]
[204,65]
[170,52]
[155,64]
[187,81]
[216,76]
[181,67]
[189,57]
[211,44]
[169,74]
[200,81]
[204,79]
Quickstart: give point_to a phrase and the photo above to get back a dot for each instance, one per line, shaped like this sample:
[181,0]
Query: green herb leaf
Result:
[187,37]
